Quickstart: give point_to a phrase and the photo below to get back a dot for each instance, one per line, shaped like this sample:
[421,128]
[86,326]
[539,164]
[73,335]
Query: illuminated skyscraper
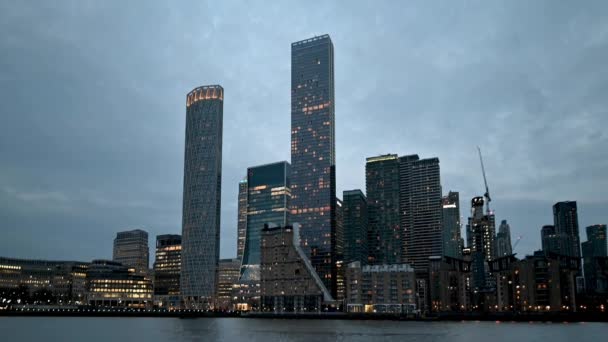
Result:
[420,210]
[313,157]
[242,218]
[382,187]
[202,196]
[131,249]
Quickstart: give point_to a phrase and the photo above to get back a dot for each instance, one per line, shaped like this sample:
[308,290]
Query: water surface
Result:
[95,329]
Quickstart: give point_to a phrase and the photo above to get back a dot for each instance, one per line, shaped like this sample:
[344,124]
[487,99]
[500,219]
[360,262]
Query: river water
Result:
[93,329]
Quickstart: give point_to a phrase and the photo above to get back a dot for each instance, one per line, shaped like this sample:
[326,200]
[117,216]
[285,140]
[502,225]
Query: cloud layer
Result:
[92,107]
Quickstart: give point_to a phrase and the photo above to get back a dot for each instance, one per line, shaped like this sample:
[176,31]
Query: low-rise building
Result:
[380,288]
[110,284]
[450,283]
[24,281]
[289,283]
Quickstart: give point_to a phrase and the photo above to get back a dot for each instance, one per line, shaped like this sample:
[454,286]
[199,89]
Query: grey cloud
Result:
[92,111]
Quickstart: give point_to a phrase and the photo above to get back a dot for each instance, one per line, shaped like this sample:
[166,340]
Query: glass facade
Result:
[382,187]
[355,226]
[313,160]
[268,199]
[242,218]
[202,196]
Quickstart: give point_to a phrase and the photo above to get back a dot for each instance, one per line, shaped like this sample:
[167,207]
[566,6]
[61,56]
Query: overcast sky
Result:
[92,106]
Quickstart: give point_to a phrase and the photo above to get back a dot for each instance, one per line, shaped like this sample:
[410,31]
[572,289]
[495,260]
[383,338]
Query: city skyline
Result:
[52,198]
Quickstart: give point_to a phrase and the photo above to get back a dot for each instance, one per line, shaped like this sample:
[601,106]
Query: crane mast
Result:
[485,181]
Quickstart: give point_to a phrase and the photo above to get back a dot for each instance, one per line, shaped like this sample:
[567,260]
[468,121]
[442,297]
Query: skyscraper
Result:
[313,152]
[452,239]
[131,249]
[565,219]
[382,188]
[481,241]
[355,226]
[595,259]
[202,196]
[242,218]
[421,210]
[167,266]
[503,240]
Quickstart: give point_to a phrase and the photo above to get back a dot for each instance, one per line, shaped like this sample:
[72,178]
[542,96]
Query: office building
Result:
[382,188]
[452,239]
[289,281]
[380,288]
[202,196]
[355,226]
[167,266]
[565,220]
[242,218]
[131,249]
[228,275]
[42,281]
[503,240]
[268,198]
[421,210]
[111,284]
[313,152]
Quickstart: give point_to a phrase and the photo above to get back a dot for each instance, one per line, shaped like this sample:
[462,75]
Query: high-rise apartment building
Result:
[167,266]
[421,210]
[503,240]
[202,196]
[452,239]
[382,188]
[131,250]
[242,218]
[355,226]
[595,259]
[565,220]
[481,242]
[313,152]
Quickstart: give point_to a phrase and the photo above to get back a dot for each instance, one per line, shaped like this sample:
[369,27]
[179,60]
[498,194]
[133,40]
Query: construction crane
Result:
[516,243]
[485,181]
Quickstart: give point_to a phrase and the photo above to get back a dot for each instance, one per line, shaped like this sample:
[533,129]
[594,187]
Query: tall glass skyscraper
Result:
[202,196]
[355,226]
[503,240]
[382,187]
[313,160]
[421,210]
[242,218]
